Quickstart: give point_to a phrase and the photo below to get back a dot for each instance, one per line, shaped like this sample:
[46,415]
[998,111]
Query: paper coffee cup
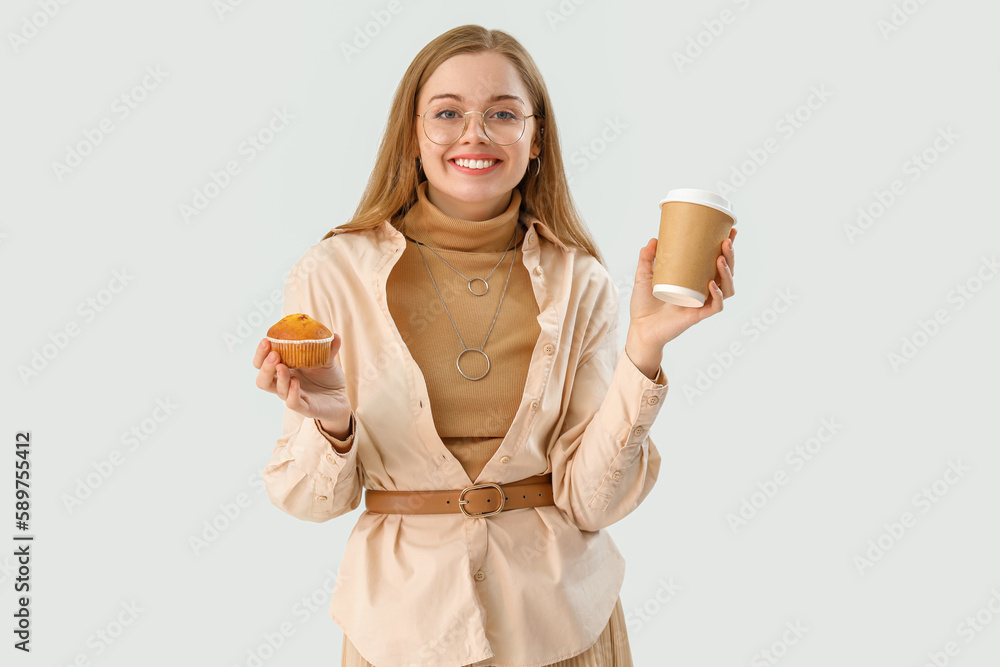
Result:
[693,225]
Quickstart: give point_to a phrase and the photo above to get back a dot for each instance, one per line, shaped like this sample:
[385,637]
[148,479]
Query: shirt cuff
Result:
[632,400]
[341,447]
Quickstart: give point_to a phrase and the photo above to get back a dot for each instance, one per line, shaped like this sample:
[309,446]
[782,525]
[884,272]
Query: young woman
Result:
[476,395]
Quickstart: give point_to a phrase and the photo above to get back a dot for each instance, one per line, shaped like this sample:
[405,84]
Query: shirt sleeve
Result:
[604,463]
[306,477]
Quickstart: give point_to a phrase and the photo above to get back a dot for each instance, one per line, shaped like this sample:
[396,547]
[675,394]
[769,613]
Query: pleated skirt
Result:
[610,650]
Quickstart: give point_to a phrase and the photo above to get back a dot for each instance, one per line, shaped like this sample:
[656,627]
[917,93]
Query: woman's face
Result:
[473,82]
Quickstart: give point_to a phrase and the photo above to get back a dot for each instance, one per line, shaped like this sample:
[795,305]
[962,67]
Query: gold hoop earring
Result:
[538,166]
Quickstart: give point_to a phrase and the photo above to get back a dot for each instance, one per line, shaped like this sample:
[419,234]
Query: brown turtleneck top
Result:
[471,416]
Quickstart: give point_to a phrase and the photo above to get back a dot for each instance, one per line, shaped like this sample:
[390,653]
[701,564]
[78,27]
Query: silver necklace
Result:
[464,348]
[469,280]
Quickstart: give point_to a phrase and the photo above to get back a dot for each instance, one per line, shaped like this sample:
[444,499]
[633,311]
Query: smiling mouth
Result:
[475,164]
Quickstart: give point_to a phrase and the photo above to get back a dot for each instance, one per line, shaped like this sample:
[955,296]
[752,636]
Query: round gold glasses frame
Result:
[465,123]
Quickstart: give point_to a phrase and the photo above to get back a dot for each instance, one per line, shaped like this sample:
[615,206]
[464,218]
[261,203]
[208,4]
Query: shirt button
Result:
[320,497]
[538,270]
[617,474]
[327,479]
[534,405]
[505,460]
[329,457]
[639,430]
[549,348]
[653,400]
[480,575]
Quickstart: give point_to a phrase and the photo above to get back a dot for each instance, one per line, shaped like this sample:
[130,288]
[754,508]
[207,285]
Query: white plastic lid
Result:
[703,197]
[678,295]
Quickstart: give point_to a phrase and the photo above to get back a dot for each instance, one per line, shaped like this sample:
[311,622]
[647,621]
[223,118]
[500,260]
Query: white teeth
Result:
[475,164]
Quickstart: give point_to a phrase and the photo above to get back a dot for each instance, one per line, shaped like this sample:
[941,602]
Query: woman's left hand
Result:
[655,322]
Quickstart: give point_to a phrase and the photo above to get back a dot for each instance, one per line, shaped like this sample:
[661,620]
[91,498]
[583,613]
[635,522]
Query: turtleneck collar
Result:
[428,224]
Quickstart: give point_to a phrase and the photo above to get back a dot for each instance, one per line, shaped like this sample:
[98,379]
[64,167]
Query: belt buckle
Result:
[462,502]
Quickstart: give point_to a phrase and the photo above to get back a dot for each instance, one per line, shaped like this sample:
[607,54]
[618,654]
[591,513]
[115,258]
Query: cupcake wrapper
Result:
[302,353]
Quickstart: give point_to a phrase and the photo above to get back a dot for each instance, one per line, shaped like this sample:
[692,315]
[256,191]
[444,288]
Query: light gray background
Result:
[825,357]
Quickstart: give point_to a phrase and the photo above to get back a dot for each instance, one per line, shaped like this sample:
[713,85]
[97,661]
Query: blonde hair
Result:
[392,185]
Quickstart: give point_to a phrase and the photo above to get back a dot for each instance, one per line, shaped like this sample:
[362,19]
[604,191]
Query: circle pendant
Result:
[472,349]
[483,281]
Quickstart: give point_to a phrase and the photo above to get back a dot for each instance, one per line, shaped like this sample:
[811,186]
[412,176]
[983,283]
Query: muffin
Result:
[301,341]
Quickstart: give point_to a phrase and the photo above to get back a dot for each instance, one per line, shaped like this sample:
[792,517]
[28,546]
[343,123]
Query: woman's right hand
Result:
[320,393]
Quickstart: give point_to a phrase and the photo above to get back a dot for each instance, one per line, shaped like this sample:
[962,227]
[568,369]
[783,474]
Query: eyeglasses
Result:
[445,124]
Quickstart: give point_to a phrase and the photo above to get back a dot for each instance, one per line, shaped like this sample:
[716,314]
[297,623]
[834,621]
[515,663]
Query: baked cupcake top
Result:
[298,326]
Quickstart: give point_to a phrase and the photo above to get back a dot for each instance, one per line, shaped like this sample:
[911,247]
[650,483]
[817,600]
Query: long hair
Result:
[392,185]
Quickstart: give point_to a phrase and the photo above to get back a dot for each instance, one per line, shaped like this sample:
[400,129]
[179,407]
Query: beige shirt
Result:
[524,587]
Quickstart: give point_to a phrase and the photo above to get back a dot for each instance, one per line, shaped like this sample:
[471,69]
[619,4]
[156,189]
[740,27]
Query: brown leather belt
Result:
[472,501]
